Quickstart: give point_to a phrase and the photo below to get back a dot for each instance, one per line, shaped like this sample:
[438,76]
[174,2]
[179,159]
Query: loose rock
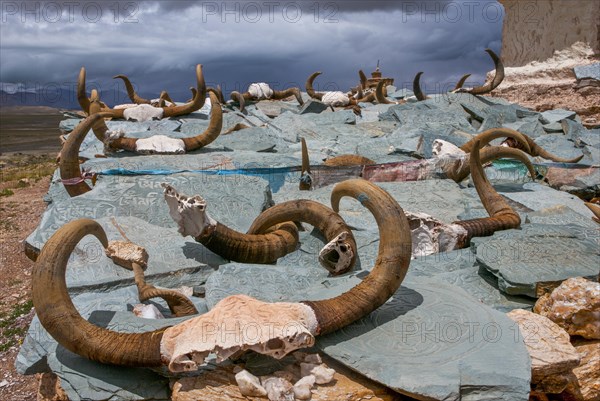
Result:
[552,355]
[575,306]
[249,384]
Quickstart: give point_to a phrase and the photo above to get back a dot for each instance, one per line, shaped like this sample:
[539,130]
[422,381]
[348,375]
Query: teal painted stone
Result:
[442,199]
[169,254]
[587,71]
[111,308]
[234,200]
[529,127]
[69,124]
[560,215]
[528,260]
[553,128]
[430,323]
[559,145]
[400,93]
[272,109]
[536,196]
[555,116]
[479,283]
[337,117]
[256,139]
[313,106]
[573,129]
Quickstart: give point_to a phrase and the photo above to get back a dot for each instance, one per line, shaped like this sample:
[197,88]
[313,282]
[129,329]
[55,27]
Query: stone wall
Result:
[534,29]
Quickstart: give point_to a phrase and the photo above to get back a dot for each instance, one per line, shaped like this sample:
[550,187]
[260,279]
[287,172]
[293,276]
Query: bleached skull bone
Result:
[143,112]
[236,324]
[260,90]
[188,212]
[337,254]
[160,144]
[430,235]
[125,253]
[335,98]
[441,148]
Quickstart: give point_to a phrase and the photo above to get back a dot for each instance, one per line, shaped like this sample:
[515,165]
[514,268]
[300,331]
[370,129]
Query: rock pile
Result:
[445,334]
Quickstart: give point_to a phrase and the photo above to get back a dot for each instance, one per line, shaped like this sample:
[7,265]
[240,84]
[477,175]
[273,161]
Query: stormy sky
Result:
[157,43]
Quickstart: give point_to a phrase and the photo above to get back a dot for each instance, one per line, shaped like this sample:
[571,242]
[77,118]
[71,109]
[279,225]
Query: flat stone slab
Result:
[234,200]
[588,71]
[538,257]
[560,215]
[537,196]
[114,305]
[429,323]
[442,199]
[169,254]
[552,116]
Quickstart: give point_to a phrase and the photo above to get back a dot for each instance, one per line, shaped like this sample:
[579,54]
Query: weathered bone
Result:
[236,324]
[333,98]
[337,255]
[260,91]
[328,222]
[190,215]
[137,112]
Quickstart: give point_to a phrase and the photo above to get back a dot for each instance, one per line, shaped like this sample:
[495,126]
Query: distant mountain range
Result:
[55,97]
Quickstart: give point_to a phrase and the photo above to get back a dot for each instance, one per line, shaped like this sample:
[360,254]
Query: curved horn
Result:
[278,95]
[489,154]
[190,214]
[392,262]
[305,174]
[595,209]
[379,94]
[59,317]
[101,130]
[502,216]
[238,97]
[179,304]
[164,97]
[217,91]
[133,96]
[489,135]
[417,87]
[70,171]
[309,86]
[537,150]
[214,127]
[461,82]
[196,103]
[363,79]
[323,219]
[493,84]
[82,98]
[194,93]
[348,160]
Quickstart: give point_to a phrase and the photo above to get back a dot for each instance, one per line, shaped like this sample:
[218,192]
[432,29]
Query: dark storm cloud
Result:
[159,44]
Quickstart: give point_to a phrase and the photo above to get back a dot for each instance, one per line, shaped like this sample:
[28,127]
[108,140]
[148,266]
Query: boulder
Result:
[537,257]
[313,106]
[556,115]
[552,355]
[575,306]
[586,386]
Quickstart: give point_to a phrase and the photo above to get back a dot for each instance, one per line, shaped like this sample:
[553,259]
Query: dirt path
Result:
[19,215]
